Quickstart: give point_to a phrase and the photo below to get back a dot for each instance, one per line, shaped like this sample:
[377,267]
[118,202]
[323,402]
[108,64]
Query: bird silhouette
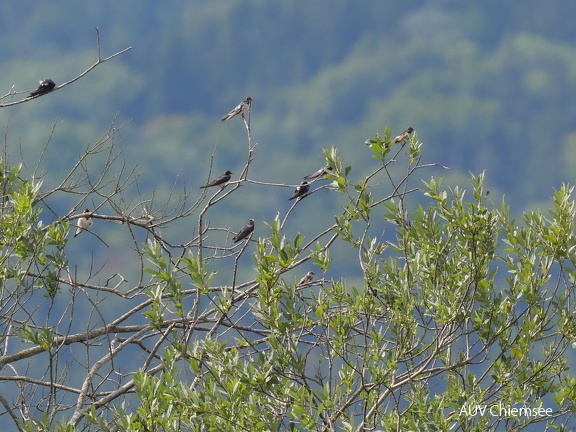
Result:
[240,109]
[403,137]
[46,86]
[219,181]
[307,278]
[300,190]
[320,173]
[245,231]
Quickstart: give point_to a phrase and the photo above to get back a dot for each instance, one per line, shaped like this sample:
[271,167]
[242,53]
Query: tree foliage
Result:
[460,316]
[458,306]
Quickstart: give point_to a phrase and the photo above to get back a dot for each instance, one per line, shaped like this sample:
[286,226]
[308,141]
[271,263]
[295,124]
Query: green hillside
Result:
[484,84]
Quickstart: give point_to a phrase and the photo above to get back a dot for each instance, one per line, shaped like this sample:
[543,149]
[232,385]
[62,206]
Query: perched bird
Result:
[84,222]
[307,278]
[240,109]
[46,86]
[403,137]
[219,181]
[320,173]
[300,190]
[245,231]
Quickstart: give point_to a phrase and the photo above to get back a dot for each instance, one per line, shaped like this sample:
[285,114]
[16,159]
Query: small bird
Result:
[84,222]
[300,190]
[245,231]
[46,86]
[306,279]
[320,173]
[403,137]
[240,109]
[219,181]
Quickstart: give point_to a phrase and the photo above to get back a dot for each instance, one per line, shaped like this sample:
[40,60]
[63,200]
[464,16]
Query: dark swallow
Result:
[245,231]
[46,86]
[306,279]
[219,181]
[240,109]
[320,173]
[403,137]
[84,222]
[300,190]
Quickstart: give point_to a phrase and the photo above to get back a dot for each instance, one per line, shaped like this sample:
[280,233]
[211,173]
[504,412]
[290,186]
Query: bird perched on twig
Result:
[220,180]
[240,109]
[84,222]
[320,173]
[306,279]
[46,86]
[245,231]
[300,190]
[403,137]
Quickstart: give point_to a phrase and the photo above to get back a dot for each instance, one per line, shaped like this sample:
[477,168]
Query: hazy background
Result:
[487,86]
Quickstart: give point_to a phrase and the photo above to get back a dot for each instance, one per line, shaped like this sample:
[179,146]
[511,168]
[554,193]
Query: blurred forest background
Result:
[486,84]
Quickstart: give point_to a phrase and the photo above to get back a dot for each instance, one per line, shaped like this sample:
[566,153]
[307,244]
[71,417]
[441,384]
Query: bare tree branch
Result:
[98,62]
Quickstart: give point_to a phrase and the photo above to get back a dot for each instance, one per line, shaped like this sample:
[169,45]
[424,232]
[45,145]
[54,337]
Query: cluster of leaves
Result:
[457,305]
[434,326]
